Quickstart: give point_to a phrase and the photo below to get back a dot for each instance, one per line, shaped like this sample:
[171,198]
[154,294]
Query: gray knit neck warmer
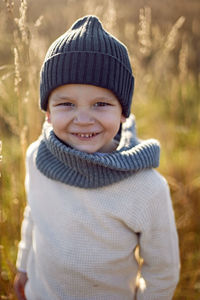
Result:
[60,162]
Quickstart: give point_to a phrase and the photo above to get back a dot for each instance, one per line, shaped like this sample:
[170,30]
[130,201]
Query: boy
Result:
[93,196]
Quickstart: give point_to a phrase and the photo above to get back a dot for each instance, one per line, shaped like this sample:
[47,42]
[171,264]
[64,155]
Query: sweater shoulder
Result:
[32,149]
[147,183]
[155,188]
[31,153]
[144,193]
[153,198]
[155,181]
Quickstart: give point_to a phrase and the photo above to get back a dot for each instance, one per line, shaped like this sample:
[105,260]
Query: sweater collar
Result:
[63,163]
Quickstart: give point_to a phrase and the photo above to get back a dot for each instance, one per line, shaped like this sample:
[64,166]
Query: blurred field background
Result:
[163,38]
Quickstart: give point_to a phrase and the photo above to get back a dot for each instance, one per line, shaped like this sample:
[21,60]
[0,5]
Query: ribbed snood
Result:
[60,162]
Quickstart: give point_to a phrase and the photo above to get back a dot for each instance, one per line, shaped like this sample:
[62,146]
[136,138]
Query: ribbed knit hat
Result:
[87,54]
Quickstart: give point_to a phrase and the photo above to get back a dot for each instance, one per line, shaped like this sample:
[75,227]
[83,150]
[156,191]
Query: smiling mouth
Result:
[86,135]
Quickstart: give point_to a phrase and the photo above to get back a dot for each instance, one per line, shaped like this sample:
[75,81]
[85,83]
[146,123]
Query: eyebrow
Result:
[103,98]
[57,98]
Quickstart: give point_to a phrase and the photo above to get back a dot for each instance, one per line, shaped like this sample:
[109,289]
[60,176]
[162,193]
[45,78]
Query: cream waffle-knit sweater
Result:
[78,244]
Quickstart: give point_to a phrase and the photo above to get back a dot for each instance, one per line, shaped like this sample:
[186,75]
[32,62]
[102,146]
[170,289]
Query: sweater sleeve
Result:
[159,250]
[26,240]
[27,223]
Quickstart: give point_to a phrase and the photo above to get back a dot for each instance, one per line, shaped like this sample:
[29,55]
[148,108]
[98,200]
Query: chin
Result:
[85,149]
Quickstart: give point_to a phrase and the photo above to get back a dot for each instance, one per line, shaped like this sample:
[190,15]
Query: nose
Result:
[83,117]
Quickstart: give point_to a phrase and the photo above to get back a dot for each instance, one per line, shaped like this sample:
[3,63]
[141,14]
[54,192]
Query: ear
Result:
[48,116]
[123,119]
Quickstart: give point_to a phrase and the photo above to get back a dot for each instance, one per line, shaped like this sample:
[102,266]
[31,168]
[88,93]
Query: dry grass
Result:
[164,55]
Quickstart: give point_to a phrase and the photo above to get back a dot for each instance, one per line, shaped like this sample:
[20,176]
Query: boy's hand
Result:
[19,285]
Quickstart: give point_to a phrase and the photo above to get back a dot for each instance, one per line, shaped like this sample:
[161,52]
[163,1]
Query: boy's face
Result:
[84,116]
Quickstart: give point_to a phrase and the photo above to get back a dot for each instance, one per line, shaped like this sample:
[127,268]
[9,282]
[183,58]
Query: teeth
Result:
[86,135]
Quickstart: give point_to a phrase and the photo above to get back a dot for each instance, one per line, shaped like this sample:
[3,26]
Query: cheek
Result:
[112,126]
[57,124]
[113,119]
[59,118]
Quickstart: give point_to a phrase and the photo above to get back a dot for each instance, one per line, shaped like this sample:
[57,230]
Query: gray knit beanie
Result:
[87,54]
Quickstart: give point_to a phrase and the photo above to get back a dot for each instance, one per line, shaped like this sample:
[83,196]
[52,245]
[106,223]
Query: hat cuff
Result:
[82,67]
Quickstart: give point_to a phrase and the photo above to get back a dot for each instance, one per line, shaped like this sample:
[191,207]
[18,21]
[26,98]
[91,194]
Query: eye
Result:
[101,104]
[69,104]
